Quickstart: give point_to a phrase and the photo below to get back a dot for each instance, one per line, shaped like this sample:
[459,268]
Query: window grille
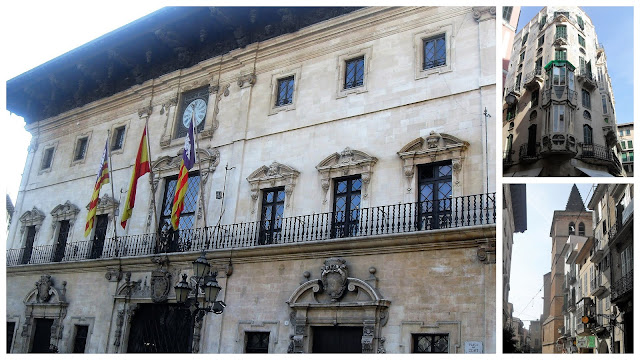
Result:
[435,52]
[285,91]
[430,343]
[354,73]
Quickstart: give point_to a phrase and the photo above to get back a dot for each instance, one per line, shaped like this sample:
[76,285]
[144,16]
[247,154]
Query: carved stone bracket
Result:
[486,252]
[113,275]
[482,13]
[248,80]
[145,111]
[345,163]
[165,139]
[118,332]
[274,175]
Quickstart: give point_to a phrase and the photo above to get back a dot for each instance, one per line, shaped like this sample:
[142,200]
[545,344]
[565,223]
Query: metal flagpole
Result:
[113,196]
[153,190]
[202,203]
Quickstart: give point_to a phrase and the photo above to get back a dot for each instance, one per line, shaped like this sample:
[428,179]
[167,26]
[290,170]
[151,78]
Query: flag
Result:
[102,178]
[140,168]
[188,159]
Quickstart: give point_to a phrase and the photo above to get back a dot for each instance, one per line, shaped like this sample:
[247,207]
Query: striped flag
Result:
[140,168]
[102,178]
[188,159]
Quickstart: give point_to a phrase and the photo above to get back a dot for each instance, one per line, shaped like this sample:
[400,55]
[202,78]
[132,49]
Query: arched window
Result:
[581,229]
[533,115]
[572,228]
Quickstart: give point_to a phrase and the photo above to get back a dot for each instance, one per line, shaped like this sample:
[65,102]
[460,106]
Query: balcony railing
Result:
[622,287]
[529,153]
[449,213]
[596,152]
[530,80]
[507,160]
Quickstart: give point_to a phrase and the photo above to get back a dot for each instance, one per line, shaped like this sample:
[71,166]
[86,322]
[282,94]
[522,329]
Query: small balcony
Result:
[458,212]
[622,289]
[507,158]
[600,155]
[559,93]
[587,80]
[528,154]
[557,144]
[597,289]
[597,252]
[533,80]
[571,305]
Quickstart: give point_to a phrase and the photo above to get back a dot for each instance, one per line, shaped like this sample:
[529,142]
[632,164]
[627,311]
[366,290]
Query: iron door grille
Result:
[430,343]
[257,342]
[160,328]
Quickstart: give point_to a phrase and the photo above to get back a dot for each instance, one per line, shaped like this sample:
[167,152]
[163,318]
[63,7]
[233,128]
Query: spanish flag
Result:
[188,159]
[140,168]
[102,178]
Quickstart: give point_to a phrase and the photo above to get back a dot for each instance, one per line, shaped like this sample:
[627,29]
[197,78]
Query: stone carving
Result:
[249,79]
[160,285]
[113,275]
[367,338]
[145,111]
[347,162]
[334,277]
[44,286]
[119,323]
[31,218]
[66,211]
[274,175]
[197,329]
[381,349]
[291,346]
[482,13]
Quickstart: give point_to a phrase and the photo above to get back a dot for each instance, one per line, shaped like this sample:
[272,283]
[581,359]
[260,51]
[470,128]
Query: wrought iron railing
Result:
[506,157]
[596,152]
[529,153]
[532,74]
[622,286]
[448,213]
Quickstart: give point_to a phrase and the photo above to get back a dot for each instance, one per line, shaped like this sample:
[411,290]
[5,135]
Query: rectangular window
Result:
[559,76]
[518,81]
[435,195]
[285,91]
[534,98]
[581,41]
[561,54]
[346,206]
[28,244]
[506,13]
[61,244]
[430,343]
[80,341]
[580,22]
[623,144]
[624,156]
[604,104]
[256,342]
[522,56]
[179,240]
[525,38]
[435,52]
[47,159]
[561,31]
[543,21]
[583,65]
[630,144]
[588,135]
[11,328]
[630,155]
[81,149]
[271,215]
[586,99]
[626,260]
[628,132]
[354,73]
[541,40]
[118,138]
[558,118]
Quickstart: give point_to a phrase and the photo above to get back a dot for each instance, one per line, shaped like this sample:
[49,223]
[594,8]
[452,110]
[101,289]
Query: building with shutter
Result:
[343,186]
[558,105]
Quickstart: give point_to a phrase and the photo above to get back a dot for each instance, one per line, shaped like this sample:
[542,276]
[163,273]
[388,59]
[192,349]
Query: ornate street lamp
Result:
[206,280]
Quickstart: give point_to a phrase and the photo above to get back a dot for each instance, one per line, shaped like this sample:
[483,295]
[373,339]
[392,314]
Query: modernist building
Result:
[573,220]
[625,137]
[558,107]
[343,187]
[514,219]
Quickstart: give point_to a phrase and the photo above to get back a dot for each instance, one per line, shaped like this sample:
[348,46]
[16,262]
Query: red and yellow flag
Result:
[140,168]
[102,178]
[188,159]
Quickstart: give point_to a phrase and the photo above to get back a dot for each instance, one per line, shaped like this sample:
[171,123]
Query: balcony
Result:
[559,93]
[597,252]
[600,155]
[529,154]
[599,48]
[622,289]
[571,305]
[458,212]
[512,94]
[597,289]
[533,80]
[557,144]
[587,80]
[507,159]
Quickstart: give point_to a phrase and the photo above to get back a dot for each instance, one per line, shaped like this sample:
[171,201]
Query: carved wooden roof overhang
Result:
[431,148]
[169,39]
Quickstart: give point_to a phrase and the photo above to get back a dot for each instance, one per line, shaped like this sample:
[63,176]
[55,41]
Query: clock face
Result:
[198,109]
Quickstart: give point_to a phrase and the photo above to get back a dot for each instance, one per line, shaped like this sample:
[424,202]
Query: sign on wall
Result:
[586,342]
[473,347]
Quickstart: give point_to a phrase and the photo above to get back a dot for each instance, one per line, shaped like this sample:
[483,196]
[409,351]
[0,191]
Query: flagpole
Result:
[202,202]
[113,196]
[153,190]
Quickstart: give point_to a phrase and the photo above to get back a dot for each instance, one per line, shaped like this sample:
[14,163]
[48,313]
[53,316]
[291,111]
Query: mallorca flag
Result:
[140,168]
[102,178]
[188,159]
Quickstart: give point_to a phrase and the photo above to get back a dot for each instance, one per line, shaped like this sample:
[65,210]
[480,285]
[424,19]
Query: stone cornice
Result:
[447,239]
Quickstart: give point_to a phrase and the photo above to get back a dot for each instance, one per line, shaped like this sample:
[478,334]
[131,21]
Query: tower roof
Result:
[575,202]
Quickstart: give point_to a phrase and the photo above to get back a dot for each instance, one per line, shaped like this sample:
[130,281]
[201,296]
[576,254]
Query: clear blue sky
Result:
[614,28]
[531,257]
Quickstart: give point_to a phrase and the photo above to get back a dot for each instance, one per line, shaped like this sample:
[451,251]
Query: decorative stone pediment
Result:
[32,217]
[431,148]
[209,158]
[66,211]
[106,205]
[274,175]
[345,163]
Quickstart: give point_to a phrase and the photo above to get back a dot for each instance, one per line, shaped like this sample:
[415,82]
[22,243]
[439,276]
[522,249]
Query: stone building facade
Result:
[625,137]
[514,219]
[558,105]
[343,186]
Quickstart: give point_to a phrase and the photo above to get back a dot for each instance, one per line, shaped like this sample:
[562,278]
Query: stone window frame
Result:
[86,135]
[53,146]
[348,162]
[33,217]
[273,176]
[341,67]
[432,148]
[54,306]
[452,328]
[275,78]
[126,123]
[270,326]
[418,49]
[14,343]
[62,212]
[71,338]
